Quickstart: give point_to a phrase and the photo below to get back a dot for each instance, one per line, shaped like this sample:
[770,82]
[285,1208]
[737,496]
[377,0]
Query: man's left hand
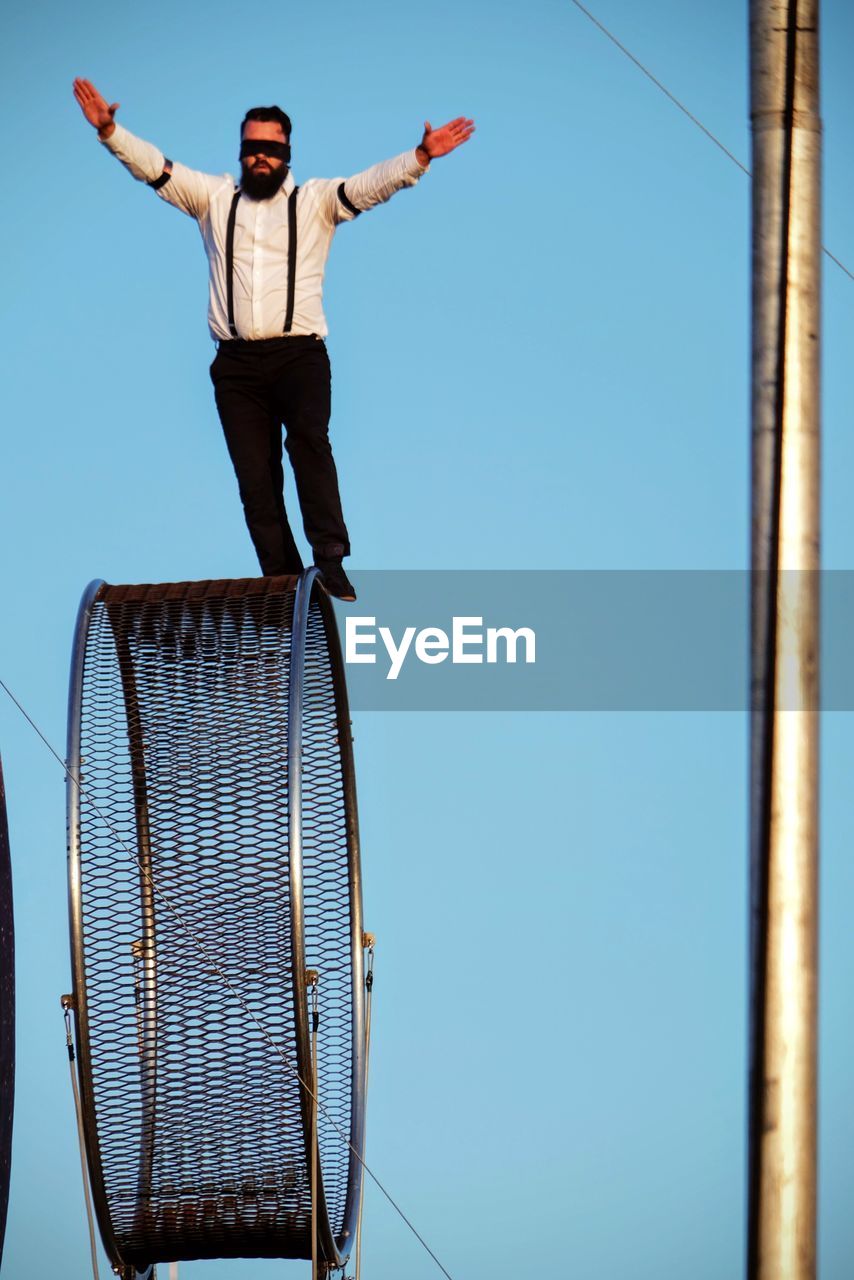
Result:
[438,142]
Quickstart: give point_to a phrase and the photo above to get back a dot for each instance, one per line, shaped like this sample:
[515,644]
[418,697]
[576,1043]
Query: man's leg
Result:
[253,435]
[301,392]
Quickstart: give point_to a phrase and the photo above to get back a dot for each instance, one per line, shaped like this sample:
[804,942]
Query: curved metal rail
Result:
[7,1012]
[213,859]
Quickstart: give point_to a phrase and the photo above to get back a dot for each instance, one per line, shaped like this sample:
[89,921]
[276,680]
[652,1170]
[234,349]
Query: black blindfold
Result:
[260,147]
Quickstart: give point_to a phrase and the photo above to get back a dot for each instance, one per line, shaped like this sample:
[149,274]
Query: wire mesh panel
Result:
[213,857]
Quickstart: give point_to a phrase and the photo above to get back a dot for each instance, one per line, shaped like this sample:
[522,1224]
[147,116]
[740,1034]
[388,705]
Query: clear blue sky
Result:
[540,359]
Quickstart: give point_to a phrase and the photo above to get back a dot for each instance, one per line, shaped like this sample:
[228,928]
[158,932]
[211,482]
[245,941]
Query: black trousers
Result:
[260,387]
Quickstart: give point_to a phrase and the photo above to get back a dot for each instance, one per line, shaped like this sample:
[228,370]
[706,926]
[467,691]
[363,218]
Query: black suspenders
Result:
[229,262]
[292,260]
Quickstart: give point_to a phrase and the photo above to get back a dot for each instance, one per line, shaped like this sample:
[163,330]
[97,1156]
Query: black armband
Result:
[164,177]
[348,204]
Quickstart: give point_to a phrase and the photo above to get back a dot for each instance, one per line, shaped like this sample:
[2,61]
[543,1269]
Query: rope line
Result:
[672,96]
[33,725]
[681,105]
[229,985]
[841,265]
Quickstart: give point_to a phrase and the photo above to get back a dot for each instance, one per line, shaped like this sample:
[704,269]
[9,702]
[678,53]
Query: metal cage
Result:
[213,861]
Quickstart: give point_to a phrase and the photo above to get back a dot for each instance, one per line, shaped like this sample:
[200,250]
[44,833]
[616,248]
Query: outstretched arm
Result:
[380,182]
[439,142]
[184,188]
[145,161]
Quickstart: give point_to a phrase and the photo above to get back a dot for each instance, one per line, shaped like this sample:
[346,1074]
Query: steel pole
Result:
[784,641]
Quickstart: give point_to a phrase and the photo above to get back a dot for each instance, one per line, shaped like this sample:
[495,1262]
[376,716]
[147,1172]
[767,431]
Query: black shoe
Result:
[335,580]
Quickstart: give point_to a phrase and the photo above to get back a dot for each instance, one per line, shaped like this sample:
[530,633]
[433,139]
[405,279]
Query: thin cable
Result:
[33,724]
[223,976]
[659,85]
[841,265]
[681,105]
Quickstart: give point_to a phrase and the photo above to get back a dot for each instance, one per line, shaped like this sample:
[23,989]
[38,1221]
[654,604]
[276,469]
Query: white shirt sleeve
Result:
[186,189]
[344,198]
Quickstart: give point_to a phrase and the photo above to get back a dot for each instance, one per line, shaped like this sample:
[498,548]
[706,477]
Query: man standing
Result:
[267,242]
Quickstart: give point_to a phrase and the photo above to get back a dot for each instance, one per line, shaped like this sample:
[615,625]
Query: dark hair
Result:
[275,115]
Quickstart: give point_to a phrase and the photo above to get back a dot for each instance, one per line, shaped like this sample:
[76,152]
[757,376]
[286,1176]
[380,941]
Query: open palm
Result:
[438,142]
[94,105]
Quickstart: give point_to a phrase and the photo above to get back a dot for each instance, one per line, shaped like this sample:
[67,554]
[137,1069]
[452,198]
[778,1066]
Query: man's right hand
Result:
[95,107]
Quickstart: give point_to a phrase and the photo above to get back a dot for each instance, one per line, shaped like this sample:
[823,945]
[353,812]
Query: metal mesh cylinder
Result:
[213,852]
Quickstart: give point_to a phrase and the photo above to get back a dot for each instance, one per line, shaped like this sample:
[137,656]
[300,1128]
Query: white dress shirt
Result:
[261,234]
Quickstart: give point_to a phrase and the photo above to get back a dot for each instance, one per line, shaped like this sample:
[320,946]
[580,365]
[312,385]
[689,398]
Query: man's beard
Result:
[261,186]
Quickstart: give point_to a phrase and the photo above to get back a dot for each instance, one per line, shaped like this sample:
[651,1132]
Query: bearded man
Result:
[267,242]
